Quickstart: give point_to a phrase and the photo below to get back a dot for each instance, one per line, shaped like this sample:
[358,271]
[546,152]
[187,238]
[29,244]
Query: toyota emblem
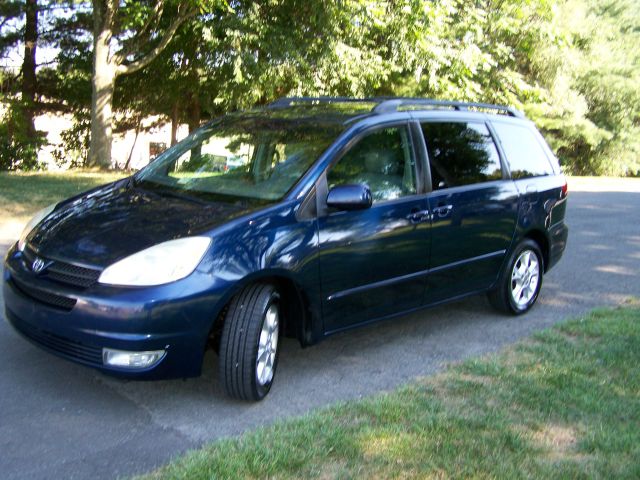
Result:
[38,265]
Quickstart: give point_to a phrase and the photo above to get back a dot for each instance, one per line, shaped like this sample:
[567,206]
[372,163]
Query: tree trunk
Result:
[29,68]
[128,163]
[103,81]
[194,122]
[194,113]
[108,65]
[175,118]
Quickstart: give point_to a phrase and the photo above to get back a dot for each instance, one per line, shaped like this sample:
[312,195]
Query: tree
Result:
[29,67]
[571,65]
[20,140]
[116,39]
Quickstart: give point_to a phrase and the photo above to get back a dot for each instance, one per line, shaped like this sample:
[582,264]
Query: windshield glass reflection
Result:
[244,157]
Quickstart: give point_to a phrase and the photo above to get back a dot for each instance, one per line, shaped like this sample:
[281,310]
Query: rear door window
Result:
[460,153]
[525,155]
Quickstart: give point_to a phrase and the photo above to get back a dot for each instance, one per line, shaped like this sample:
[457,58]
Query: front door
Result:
[373,261]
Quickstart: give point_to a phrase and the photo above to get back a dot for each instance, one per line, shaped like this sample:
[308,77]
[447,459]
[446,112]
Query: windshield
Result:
[242,158]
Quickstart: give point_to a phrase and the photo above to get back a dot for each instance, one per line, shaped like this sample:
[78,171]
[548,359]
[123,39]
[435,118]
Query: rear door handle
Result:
[419,216]
[443,210]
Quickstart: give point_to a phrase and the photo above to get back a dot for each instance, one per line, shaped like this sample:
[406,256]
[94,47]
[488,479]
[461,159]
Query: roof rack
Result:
[288,101]
[392,104]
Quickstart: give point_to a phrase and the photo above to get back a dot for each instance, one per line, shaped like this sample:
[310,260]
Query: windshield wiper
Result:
[168,192]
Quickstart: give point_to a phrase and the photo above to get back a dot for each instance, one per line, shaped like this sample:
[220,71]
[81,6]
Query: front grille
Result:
[72,274]
[63,272]
[43,296]
[61,345]
[29,255]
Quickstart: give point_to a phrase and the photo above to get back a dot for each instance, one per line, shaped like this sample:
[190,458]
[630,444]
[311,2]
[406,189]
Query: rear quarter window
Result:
[525,155]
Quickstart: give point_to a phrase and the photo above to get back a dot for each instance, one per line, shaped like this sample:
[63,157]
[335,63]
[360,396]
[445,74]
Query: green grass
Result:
[563,404]
[23,194]
[26,193]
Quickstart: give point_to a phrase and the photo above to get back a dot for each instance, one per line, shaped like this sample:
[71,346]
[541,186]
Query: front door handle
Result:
[419,216]
[442,210]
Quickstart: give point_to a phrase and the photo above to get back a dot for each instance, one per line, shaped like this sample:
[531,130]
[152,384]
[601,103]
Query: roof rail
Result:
[288,101]
[392,105]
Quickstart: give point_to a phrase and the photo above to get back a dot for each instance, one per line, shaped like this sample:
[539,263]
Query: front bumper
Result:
[176,318]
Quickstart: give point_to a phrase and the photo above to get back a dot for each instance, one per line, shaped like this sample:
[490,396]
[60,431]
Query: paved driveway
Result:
[59,420]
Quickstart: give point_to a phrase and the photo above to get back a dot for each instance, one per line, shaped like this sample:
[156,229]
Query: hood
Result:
[113,222]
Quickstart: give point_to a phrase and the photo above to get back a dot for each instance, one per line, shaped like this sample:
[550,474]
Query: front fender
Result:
[274,247]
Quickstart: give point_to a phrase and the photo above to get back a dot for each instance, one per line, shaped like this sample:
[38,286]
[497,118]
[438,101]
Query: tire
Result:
[519,282]
[251,328]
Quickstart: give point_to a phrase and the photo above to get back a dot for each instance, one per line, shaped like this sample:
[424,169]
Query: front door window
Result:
[383,160]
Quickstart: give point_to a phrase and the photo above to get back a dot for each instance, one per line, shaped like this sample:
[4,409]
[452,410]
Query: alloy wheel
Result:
[268,345]
[525,277]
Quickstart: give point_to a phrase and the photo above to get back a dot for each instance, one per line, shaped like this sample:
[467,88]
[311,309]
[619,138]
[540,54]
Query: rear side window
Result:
[460,154]
[525,155]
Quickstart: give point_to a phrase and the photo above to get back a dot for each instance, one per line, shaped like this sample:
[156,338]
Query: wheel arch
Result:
[541,239]
[297,309]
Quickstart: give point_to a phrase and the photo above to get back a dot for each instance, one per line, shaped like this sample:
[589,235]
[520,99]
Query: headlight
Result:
[37,218]
[162,263]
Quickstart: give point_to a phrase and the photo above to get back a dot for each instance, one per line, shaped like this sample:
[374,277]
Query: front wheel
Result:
[249,342]
[519,283]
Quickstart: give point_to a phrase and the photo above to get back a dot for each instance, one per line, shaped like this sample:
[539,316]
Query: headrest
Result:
[383,161]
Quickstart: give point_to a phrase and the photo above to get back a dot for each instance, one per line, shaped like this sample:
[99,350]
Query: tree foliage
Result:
[571,65]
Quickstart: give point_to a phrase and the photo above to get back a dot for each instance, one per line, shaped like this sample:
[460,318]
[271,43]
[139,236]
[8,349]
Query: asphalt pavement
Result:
[60,420]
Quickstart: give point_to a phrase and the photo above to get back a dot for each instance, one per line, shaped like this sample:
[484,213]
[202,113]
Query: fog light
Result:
[133,360]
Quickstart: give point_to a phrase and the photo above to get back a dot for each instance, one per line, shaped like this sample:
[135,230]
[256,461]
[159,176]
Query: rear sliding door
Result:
[473,206]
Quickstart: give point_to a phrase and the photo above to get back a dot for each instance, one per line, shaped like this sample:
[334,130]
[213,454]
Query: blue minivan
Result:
[303,218]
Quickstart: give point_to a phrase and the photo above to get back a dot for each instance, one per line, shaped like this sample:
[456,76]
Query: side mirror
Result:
[350,197]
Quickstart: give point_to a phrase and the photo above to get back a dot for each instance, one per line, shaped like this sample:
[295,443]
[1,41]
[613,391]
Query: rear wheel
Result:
[249,342]
[519,283]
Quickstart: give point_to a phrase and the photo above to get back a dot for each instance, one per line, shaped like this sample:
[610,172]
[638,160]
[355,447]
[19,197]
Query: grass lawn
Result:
[23,194]
[563,404]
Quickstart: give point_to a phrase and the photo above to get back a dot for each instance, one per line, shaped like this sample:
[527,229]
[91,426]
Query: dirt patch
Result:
[332,468]
[556,437]
[560,442]
[480,379]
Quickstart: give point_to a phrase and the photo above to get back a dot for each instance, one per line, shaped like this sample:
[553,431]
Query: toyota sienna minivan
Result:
[303,218]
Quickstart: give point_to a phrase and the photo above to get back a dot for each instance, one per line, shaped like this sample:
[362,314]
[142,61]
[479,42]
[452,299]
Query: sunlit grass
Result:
[23,194]
[564,404]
